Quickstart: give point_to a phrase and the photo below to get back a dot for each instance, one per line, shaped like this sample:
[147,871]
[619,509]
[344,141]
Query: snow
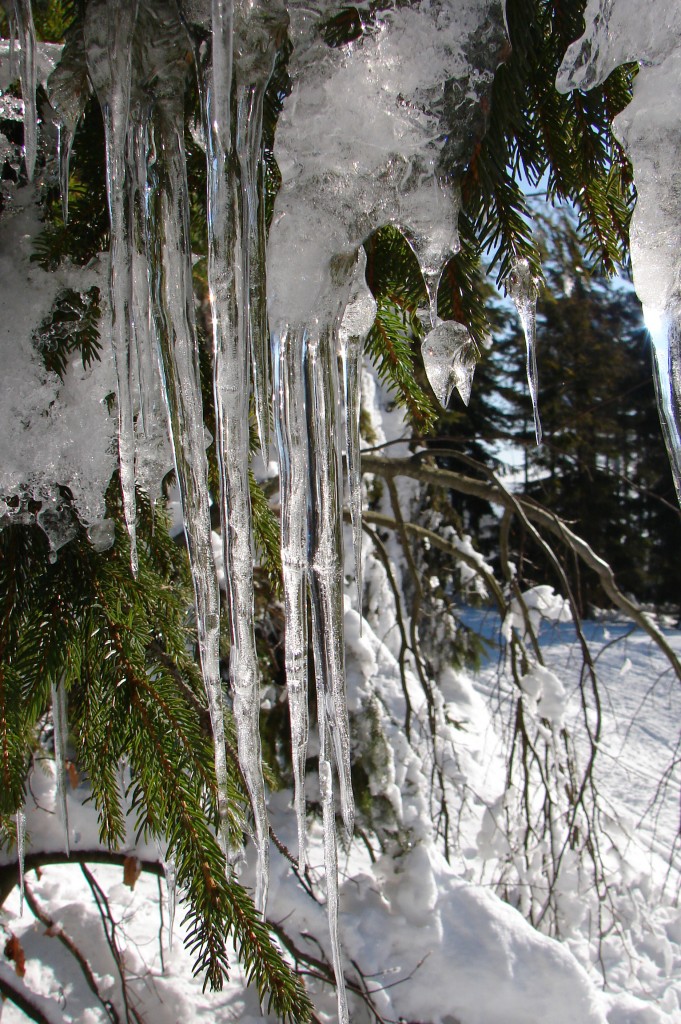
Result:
[434,941]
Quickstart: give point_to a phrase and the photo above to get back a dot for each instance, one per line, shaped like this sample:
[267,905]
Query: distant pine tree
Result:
[602,464]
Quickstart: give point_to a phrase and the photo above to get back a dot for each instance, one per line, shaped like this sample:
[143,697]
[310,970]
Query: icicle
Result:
[11,18]
[258,35]
[449,356]
[29,81]
[522,287]
[21,844]
[182,391]
[152,454]
[358,317]
[430,214]
[170,871]
[665,338]
[60,726]
[108,41]
[325,549]
[64,147]
[227,253]
[331,870]
[68,89]
[289,421]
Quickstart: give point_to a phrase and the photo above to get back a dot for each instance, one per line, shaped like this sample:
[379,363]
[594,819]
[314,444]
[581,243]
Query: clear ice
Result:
[170,871]
[108,45]
[374,132]
[523,289]
[60,730]
[29,81]
[230,211]
[618,31]
[358,318]
[68,88]
[21,853]
[290,429]
[449,356]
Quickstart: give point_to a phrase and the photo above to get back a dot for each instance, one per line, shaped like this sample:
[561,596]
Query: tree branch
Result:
[496,494]
[9,876]
[37,1008]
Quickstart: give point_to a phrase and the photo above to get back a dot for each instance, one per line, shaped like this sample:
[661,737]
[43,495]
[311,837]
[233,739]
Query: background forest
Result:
[516,614]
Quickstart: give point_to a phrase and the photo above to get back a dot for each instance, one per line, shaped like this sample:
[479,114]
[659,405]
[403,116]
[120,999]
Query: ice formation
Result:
[375,131]
[170,871]
[449,356]
[522,288]
[60,731]
[21,850]
[618,31]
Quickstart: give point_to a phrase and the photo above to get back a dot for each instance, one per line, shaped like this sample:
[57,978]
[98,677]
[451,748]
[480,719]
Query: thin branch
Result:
[37,1008]
[57,932]
[496,494]
[41,859]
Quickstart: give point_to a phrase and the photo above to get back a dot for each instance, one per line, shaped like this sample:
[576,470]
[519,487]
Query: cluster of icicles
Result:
[360,144]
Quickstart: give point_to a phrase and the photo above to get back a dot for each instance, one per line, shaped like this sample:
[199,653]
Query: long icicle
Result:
[108,44]
[331,868]
[358,317]
[231,387]
[522,288]
[325,569]
[326,550]
[151,448]
[21,852]
[29,81]
[254,65]
[179,359]
[289,421]
[60,727]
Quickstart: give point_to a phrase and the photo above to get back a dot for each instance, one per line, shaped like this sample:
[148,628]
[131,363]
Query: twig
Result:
[57,932]
[110,932]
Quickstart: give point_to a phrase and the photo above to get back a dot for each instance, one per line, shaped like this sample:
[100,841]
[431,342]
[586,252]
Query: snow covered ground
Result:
[428,940]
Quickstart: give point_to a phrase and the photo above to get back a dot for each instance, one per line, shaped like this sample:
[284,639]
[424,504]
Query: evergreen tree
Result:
[601,465]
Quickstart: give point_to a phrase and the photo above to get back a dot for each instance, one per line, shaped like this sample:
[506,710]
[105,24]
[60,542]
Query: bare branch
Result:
[496,494]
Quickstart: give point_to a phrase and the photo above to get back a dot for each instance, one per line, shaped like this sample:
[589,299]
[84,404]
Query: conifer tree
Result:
[601,465]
